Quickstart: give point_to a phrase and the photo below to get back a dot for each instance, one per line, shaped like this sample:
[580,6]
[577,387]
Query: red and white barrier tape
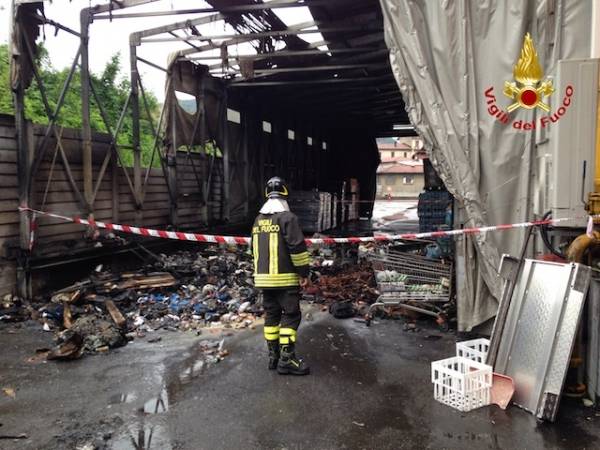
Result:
[241,240]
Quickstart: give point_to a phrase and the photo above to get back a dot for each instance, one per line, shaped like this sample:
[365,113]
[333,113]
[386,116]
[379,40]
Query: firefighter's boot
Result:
[273,354]
[289,363]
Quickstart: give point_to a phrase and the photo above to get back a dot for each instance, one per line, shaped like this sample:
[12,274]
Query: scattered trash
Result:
[352,286]
[69,346]
[184,291]
[342,310]
[13,309]
[10,392]
[503,389]
[358,424]
[432,337]
[86,446]
[16,436]
[411,326]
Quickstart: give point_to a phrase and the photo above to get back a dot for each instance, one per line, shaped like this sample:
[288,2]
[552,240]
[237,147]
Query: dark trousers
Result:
[282,307]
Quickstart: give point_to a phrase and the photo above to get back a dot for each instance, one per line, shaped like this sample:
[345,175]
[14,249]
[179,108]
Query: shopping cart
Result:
[412,282]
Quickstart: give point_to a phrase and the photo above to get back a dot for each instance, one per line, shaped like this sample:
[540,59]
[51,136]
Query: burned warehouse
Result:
[284,223]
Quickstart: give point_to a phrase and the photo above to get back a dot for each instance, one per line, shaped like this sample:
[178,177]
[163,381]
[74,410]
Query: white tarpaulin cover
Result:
[445,54]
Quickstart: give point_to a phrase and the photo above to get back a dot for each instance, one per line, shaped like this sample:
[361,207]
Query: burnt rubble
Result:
[186,291]
[182,291]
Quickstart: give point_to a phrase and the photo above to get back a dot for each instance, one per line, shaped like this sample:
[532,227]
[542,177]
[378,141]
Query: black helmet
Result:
[276,188]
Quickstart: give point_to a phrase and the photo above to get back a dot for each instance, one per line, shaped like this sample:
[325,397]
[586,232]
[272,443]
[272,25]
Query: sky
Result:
[107,39]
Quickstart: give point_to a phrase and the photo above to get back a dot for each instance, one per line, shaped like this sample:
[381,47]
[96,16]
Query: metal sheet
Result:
[593,340]
[509,267]
[537,339]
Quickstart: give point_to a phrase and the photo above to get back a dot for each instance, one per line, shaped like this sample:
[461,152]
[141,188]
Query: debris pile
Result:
[12,309]
[348,290]
[182,291]
[190,291]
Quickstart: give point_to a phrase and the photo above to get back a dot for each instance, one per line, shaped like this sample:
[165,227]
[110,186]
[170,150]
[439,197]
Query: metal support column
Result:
[172,166]
[135,131]
[114,173]
[202,127]
[24,159]
[86,130]
[226,168]
[245,163]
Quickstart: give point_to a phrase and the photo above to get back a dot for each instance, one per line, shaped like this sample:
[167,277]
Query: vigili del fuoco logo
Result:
[529,90]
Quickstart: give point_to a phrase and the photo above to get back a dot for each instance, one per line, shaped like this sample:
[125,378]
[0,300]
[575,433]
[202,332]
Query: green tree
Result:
[6,106]
[112,89]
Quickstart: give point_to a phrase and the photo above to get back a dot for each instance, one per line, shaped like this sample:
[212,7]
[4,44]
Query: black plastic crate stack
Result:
[313,209]
[432,209]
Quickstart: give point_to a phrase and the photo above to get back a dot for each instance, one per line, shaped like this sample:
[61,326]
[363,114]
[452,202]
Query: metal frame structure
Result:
[351,79]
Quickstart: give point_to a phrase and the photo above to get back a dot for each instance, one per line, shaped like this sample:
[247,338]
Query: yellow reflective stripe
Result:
[255,251]
[273,253]
[301,262]
[304,262]
[271,333]
[276,277]
[283,284]
[284,340]
[276,284]
[287,333]
[276,280]
[300,259]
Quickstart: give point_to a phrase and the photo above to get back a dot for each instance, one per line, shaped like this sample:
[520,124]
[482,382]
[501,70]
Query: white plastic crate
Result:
[475,349]
[461,383]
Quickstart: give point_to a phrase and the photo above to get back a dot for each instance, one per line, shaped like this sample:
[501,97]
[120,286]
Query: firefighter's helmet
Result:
[276,188]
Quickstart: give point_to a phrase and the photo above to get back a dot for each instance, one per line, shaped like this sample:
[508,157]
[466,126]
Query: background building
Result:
[402,147]
[400,174]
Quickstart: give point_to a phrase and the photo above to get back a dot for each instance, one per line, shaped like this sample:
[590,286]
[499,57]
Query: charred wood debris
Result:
[209,290]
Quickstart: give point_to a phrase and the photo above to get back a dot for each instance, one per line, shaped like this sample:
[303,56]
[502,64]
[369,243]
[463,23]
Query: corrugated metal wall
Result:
[9,217]
[114,201]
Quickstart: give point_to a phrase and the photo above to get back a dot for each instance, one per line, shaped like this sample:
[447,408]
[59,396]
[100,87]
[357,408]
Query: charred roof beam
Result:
[252,36]
[286,53]
[229,10]
[309,82]
[311,69]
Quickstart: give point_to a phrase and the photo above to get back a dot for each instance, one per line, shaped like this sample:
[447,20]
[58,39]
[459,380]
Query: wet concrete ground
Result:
[369,389]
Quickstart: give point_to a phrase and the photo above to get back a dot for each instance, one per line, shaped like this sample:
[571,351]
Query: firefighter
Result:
[280,269]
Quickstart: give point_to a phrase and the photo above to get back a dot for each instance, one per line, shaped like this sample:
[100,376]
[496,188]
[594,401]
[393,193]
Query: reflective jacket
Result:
[279,250]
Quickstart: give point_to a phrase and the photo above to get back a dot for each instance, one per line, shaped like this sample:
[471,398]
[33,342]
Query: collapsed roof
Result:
[344,80]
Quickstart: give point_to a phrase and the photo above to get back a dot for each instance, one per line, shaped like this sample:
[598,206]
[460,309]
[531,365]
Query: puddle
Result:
[147,429]
[119,398]
[198,360]
[158,405]
[193,371]
[145,436]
